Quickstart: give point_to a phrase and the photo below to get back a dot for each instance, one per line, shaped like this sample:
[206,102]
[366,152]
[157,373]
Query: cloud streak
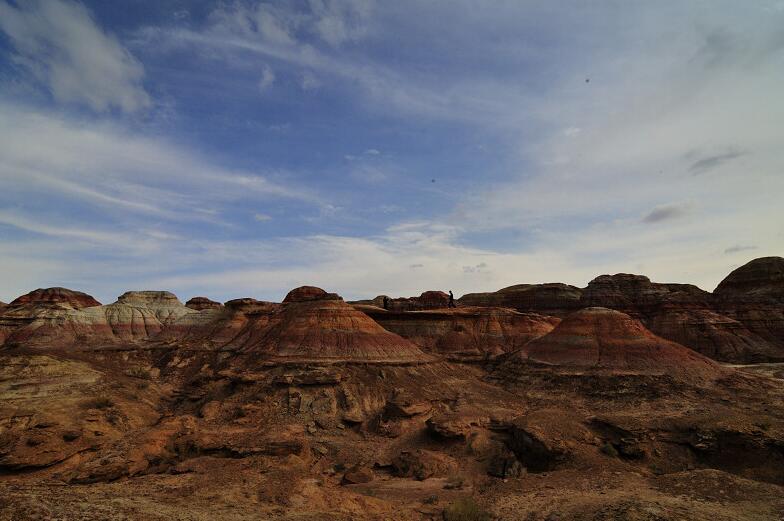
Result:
[60,44]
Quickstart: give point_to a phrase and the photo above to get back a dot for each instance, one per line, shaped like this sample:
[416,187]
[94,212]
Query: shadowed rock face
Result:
[760,279]
[466,332]
[600,338]
[56,296]
[549,299]
[754,295]
[427,300]
[201,303]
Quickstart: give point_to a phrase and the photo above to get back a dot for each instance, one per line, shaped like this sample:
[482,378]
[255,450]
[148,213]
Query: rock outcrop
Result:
[605,339]
[465,333]
[754,296]
[548,299]
[427,300]
[682,313]
[202,303]
[61,297]
[326,329]
[759,279]
[55,322]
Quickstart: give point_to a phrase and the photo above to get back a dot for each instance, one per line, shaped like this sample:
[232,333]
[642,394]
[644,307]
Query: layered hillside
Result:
[605,339]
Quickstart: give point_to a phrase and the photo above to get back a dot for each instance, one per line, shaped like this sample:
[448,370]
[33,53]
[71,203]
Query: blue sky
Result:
[241,148]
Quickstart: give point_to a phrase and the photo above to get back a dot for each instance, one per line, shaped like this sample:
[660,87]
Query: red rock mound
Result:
[201,303]
[600,338]
[57,296]
[326,329]
[308,293]
[682,313]
[466,332]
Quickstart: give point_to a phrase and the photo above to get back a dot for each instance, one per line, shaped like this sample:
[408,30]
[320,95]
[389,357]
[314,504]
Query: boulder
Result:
[422,464]
[357,474]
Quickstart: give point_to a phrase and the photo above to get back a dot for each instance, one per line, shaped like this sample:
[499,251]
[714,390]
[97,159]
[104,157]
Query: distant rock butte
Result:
[465,332]
[56,296]
[550,299]
[137,315]
[427,300]
[761,278]
[600,338]
[308,293]
[200,303]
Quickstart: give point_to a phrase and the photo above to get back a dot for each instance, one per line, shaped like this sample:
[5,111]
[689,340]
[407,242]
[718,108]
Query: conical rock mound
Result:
[316,326]
[600,338]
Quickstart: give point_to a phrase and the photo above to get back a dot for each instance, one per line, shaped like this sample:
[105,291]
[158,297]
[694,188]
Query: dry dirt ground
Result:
[163,434]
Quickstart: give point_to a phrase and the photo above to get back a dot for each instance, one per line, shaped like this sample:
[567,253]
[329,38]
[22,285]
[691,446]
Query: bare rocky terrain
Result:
[627,399]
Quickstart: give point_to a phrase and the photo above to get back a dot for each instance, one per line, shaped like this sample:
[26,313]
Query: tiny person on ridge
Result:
[451,300]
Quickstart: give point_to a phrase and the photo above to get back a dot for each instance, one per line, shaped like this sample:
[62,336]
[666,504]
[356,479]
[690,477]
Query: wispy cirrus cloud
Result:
[62,46]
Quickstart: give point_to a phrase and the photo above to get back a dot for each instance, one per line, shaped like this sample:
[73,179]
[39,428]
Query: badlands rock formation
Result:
[466,333]
[202,303]
[59,317]
[314,325]
[605,339]
[317,409]
[549,299]
[427,300]
[56,297]
[742,321]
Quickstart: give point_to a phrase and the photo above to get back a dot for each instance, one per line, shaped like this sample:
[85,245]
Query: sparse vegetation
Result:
[99,402]
[466,509]
[139,372]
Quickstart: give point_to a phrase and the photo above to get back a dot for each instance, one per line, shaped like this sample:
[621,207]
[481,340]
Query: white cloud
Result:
[123,172]
[262,217]
[267,78]
[61,44]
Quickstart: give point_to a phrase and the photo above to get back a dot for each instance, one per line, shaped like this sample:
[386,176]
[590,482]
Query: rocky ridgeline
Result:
[319,408]
[742,321]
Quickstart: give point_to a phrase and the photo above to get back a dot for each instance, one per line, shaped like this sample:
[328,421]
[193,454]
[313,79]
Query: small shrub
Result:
[466,509]
[99,402]
[138,372]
